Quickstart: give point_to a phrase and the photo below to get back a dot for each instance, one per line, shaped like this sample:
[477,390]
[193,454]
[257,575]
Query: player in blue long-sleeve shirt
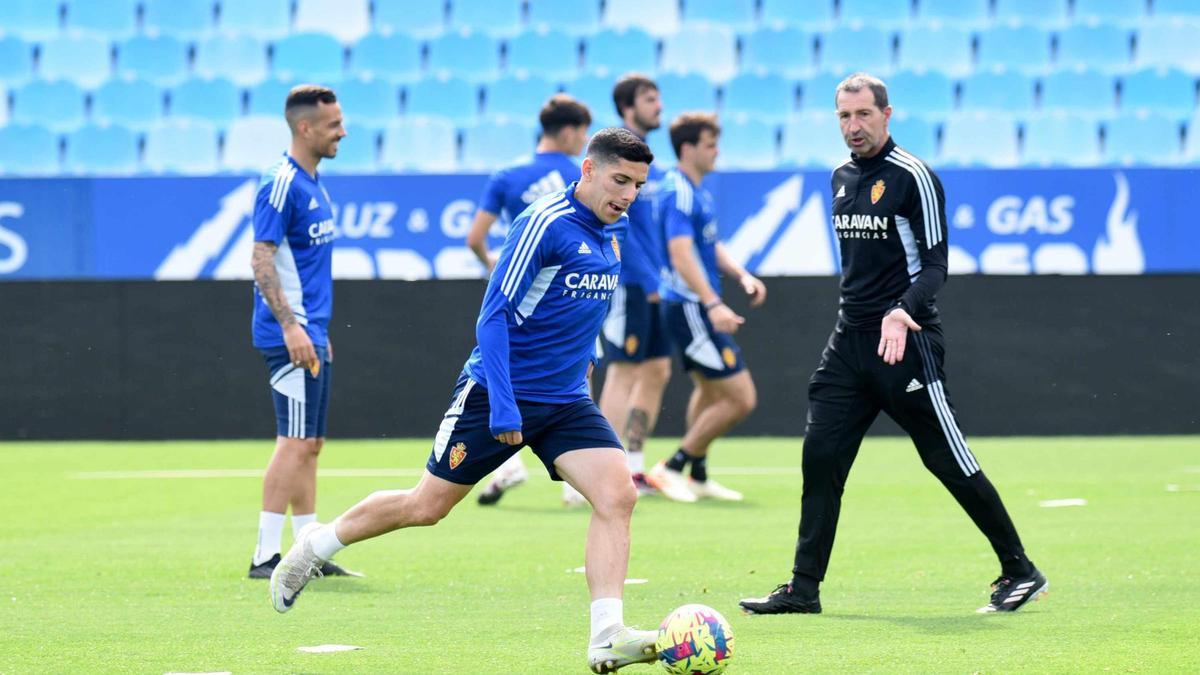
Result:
[526,384]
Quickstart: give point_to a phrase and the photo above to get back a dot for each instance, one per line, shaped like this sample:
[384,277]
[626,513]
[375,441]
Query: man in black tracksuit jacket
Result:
[886,353]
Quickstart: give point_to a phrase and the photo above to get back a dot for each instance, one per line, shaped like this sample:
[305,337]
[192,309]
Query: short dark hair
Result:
[687,129]
[563,111]
[608,145]
[626,89]
[855,82]
[303,97]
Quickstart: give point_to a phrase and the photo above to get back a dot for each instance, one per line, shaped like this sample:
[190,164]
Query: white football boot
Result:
[711,489]
[296,569]
[670,483]
[623,647]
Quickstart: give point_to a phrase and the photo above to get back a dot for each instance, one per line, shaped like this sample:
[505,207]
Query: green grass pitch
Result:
[103,573]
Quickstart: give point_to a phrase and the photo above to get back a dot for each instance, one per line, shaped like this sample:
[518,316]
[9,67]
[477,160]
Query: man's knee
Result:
[616,500]
[303,448]
[656,372]
[747,400]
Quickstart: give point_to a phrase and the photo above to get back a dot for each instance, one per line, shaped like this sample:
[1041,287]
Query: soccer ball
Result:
[695,640]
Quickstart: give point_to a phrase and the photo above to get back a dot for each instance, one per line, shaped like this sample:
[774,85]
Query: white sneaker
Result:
[625,646]
[293,573]
[510,474]
[670,483]
[572,498]
[711,489]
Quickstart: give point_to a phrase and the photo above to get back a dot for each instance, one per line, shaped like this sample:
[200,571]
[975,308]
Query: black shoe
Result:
[1011,593]
[332,569]
[489,496]
[263,570]
[783,600]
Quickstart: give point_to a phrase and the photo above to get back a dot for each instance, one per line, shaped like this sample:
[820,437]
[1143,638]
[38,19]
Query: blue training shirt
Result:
[292,210]
[645,249]
[686,210]
[512,189]
[543,307]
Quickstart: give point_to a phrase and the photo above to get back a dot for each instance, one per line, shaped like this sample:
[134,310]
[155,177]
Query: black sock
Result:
[1016,566]
[804,585]
[700,469]
[678,460]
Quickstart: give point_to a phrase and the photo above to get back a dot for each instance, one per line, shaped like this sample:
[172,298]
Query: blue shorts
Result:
[633,331]
[301,400]
[714,355]
[464,450]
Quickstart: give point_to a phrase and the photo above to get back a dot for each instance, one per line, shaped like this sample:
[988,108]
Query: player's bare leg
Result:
[290,478]
[645,404]
[619,379]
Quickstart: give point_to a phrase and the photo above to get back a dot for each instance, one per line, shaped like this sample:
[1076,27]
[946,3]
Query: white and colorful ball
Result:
[695,640]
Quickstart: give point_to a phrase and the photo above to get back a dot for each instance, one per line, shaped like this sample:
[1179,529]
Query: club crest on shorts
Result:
[877,191]
[616,248]
[729,357]
[457,454]
[631,345]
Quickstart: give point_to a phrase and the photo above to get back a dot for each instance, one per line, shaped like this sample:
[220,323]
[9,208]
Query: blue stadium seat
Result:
[217,101]
[347,20]
[498,17]
[268,97]
[253,143]
[1106,46]
[1183,9]
[684,93]
[874,12]
[101,150]
[241,58]
[960,13]
[979,139]
[420,144]
[30,19]
[852,49]
[1014,46]
[998,91]
[817,93]
[748,144]
[735,14]
[813,15]
[453,98]
[491,144]
[16,60]
[766,96]
[162,60]
[136,104]
[787,51]
[813,140]
[419,19]
[1191,150]
[552,54]
[520,97]
[312,57]
[186,19]
[1170,92]
[1127,11]
[181,146]
[3,105]
[944,49]
[1141,138]
[471,56]
[263,19]
[660,17]
[83,59]
[113,19]
[55,105]
[1040,12]
[1087,93]
[925,93]
[29,150]
[1061,140]
[616,52]
[370,103]
[576,18]
[707,49]
[395,57]
[917,135]
[595,91]
[1174,44]
[358,152]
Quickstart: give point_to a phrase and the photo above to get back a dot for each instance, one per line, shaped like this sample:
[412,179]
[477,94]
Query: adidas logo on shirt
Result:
[841,192]
[312,204]
[913,386]
[583,248]
[551,182]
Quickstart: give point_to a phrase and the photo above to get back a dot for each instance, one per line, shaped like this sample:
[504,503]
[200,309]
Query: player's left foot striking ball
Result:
[504,480]
[1011,593]
[783,600]
[296,569]
[263,570]
[622,647]
[332,569]
[711,489]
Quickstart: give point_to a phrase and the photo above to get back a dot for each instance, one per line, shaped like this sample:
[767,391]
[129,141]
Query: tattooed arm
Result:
[299,345]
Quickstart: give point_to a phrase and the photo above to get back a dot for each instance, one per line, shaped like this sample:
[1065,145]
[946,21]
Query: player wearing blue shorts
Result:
[510,191]
[636,346]
[293,301]
[701,325]
[526,384]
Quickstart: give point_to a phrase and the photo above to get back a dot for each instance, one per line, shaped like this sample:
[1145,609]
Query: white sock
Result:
[299,521]
[607,613]
[325,542]
[270,530]
[636,462]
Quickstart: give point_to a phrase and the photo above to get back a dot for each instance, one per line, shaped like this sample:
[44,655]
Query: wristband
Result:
[714,304]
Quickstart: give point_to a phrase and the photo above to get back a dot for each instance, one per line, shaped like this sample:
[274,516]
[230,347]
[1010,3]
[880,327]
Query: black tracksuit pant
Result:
[850,387]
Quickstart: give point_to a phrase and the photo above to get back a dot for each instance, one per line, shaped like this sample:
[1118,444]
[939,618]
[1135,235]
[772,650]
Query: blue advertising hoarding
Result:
[1027,221]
